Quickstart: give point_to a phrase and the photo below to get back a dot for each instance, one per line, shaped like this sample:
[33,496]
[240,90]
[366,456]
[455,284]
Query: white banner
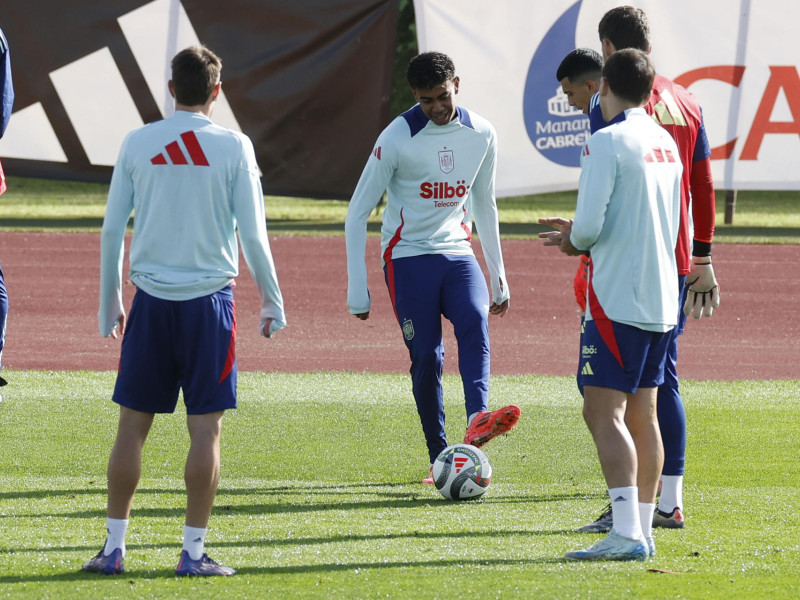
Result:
[739,57]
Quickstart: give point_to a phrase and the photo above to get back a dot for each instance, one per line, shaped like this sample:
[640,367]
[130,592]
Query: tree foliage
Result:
[406,49]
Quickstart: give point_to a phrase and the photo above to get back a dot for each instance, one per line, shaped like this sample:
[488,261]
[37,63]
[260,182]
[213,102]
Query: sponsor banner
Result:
[307,81]
[739,58]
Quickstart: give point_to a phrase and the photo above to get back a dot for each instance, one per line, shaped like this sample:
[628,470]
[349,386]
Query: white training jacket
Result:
[628,215]
[437,179]
[191,184]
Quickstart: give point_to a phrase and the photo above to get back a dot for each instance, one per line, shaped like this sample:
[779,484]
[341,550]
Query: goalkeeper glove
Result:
[702,297]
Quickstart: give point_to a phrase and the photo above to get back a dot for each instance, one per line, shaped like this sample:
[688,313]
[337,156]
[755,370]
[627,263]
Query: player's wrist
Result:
[701,249]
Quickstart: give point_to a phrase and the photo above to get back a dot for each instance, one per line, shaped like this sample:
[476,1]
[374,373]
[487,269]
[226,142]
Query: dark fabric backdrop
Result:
[309,81]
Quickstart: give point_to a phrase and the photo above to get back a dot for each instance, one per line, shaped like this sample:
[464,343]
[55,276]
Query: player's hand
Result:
[269,327]
[553,238]
[120,324]
[499,309]
[265,329]
[702,297]
[560,237]
[363,316]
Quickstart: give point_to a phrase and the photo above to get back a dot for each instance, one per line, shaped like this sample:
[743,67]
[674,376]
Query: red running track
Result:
[52,280]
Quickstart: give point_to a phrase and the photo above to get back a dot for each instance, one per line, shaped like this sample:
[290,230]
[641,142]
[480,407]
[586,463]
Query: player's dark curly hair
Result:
[580,64]
[625,27]
[430,69]
[630,74]
[195,72]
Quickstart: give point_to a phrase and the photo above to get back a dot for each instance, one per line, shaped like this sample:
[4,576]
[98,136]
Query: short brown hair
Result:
[195,72]
[625,27]
[630,75]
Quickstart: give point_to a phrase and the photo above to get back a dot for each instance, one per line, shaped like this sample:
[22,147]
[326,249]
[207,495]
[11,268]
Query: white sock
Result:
[646,511]
[625,511]
[194,541]
[671,493]
[116,529]
[472,416]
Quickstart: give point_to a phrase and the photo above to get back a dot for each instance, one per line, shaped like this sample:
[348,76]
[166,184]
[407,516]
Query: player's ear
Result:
[608,48]
[603,89]
[455,85]
[171,88]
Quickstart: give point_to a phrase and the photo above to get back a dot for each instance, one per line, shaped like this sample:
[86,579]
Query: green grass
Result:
[42,205]
[320,497]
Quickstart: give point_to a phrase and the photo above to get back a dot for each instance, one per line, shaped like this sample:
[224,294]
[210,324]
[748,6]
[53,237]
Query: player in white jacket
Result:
[437,163]
[192,184]
[627,215]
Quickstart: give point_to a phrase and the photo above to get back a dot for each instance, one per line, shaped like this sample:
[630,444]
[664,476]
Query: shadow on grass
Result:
[41,494]
[274,509]
[387,500]
[437,564]
[14,223]
[313,541]
[132,575]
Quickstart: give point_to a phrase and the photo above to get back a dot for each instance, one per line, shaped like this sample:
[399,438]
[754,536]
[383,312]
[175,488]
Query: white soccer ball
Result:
[461,472]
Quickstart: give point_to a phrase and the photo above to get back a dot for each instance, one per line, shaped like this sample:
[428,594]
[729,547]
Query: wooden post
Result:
[730,206]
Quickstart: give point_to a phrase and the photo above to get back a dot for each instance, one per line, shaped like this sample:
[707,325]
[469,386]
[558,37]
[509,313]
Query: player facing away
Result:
[192,184]
[437,164]
[677,111]
[6,104]
[627,215]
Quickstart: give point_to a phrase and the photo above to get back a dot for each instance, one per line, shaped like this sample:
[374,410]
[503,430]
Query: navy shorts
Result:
[172,345]
[621,357]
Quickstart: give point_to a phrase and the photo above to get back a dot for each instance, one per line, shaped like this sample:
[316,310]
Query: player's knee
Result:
[429,360]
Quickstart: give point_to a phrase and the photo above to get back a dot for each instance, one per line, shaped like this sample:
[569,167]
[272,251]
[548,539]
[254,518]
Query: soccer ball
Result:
[461,472]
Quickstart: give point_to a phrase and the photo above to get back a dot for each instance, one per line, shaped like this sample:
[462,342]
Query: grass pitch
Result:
[320,497]
[761,217]
[320,493]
